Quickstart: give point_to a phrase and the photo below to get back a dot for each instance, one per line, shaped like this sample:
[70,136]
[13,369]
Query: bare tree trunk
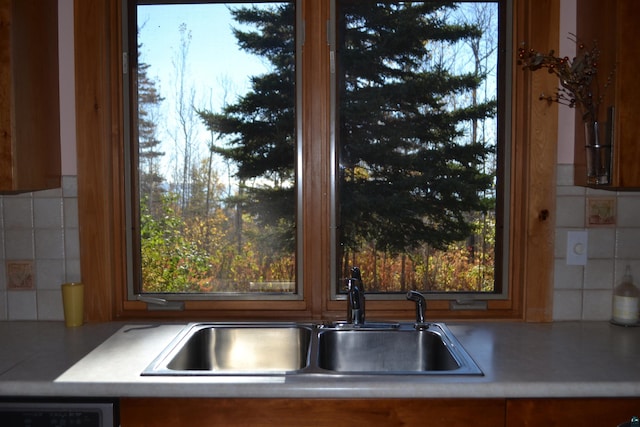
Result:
[186,115]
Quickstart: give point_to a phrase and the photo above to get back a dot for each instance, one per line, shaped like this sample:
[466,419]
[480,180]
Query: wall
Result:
[42,227]
[585,292]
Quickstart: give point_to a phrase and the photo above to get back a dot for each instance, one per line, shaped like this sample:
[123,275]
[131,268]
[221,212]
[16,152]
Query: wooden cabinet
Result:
[137,412]
[570,412]
[587,412]
[613,24]
[29,95]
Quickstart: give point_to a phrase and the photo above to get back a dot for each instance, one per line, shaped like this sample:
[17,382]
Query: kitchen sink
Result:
[408,350]
[213,348]
[272,348]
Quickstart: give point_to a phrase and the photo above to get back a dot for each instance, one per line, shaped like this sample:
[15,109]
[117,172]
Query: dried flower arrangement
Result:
[578,77]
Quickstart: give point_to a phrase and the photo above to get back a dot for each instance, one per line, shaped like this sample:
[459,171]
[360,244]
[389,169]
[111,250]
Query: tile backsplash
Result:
[40,230]
[39,250]
[585,292]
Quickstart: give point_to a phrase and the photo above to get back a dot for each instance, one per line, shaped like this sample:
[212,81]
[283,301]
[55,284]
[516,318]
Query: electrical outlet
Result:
[577,247]
[20,275]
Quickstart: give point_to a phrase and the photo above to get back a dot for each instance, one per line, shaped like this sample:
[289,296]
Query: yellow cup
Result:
[73,303]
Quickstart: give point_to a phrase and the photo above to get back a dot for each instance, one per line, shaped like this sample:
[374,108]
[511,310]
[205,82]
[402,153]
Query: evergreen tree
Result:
[409,176]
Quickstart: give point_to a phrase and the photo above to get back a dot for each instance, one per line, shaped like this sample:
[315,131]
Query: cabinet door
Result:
[312,412]
[570,412]
[626,149]
[613,26]
[29,95]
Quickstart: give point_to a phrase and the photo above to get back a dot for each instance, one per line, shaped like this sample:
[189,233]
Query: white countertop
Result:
[572,359]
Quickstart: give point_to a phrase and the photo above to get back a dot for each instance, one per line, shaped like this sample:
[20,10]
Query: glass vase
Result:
[598,152]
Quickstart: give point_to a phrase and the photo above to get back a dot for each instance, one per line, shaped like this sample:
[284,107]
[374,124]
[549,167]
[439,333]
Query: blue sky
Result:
[213,58]
[213,50]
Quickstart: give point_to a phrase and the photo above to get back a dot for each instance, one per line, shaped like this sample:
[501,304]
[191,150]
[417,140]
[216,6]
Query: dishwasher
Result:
[59,412]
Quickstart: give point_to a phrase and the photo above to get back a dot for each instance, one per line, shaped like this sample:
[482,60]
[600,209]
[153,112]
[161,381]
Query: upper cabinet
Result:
[29,96]
[613,25]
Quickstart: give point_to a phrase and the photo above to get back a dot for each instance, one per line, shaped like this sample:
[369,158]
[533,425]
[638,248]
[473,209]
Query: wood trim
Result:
[100,197]
[536,125]
[316,274]
[97,141]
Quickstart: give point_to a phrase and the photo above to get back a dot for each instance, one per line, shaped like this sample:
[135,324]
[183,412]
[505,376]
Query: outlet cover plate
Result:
[577,247]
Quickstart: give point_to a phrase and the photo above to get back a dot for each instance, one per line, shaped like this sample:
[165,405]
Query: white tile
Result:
[628,212]
[598,274]
[560,243]
[72,243]
[597,305]
[72,270]
[628,243]
[70,212]
[601,243]
[69,186]
[49,273]
[570,191]
[570,211]
[22,305]
[50,305]
[18,212]
[3,275]
[599,193]
[47,213]
[49,244]
[2,241]
[19,244]
[3,305]
[50,193]
[567,276]
[567,304]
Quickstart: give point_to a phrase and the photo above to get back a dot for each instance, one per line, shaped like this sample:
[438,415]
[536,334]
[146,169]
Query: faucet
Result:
[421,305]
[355,298]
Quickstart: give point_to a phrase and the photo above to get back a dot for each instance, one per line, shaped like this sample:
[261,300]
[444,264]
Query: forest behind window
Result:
[418,137]
[215,146]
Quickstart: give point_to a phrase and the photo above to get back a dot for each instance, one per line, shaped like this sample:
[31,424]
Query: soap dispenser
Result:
[625,300]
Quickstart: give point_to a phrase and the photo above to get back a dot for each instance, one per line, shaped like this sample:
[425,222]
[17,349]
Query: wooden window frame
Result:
[98,65]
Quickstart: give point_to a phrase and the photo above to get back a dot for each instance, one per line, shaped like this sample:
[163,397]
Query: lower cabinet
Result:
[312,412]
[571,412]
[595,412]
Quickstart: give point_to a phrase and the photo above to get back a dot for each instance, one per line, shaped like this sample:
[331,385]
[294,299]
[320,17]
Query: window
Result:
[419,139]
[101,196]
[213,148]
[419,133]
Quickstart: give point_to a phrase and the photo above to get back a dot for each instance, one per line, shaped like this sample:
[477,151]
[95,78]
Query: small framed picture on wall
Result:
[601,212]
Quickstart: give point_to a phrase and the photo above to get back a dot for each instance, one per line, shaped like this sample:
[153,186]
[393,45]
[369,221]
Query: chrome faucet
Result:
[355,298]
[421,305]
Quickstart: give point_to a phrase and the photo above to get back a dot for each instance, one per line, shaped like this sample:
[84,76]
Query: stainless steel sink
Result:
[406,350]
[235,349]
[272,348]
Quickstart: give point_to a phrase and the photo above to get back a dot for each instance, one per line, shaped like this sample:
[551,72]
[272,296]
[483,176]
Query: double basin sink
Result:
[301,349]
